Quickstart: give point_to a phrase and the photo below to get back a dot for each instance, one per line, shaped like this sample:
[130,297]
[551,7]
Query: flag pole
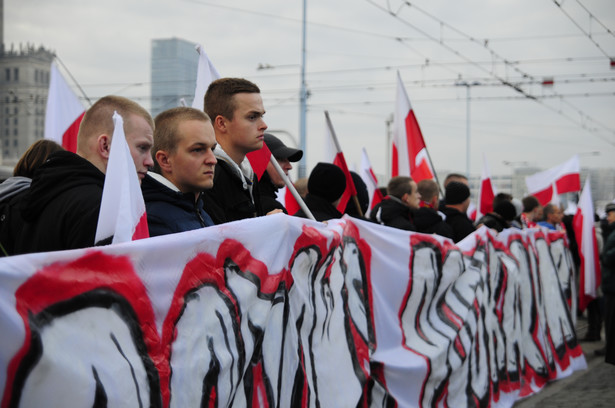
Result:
[355,200]
[291,187]
[74,80]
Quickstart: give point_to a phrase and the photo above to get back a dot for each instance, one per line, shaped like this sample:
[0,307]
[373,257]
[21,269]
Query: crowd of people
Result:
[194,173]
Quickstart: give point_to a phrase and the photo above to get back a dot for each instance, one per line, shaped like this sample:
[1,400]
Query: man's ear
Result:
[219,123]
[164,161]
[103,145]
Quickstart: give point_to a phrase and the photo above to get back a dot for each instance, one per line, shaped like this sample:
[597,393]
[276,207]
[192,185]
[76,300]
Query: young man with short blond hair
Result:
[61,209]
[183,150]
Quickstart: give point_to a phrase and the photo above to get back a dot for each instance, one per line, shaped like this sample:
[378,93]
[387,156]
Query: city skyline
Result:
[351,68]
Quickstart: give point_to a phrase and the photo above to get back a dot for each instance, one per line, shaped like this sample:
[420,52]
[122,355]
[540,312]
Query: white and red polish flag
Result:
[370,180]
[337,158]
[205,75]
[122,209]
[486,191]
[565,178]
[63,113]
[585,233]
[409,155]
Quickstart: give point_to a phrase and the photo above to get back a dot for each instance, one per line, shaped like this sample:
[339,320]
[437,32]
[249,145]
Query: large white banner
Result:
[278,311]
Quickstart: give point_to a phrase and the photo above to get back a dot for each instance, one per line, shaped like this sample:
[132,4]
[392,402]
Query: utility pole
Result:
[468,149]
[303,100]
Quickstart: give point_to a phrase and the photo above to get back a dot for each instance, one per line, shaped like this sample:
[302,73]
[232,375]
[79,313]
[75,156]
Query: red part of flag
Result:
[259,159]
[350,190]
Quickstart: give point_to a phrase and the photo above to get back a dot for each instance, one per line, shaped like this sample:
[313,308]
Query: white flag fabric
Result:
[343,314]
[585,233]
[122,209]
[547,184]
[409,155]
[370,180]
[206,74]
[63,113]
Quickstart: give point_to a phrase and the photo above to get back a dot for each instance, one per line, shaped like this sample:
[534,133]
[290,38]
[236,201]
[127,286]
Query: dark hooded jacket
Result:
[460,223]
[320,208]
[11,192]
[428,221]
[170,211]
[228,201]
[268,193]
[60,210]
[393,213]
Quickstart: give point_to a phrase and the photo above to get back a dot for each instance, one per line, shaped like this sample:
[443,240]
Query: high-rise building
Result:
[174,67]
[24,84]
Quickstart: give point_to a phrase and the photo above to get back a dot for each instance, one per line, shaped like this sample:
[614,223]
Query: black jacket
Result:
[428,221]
[320,208]
[170,211]
[228,201]
[607,259]
[268,192]
[493,220]
[393,213]
[60,210]
[460,223]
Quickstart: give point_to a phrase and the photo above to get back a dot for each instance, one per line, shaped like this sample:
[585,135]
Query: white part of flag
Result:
[545,180]
[122,206]
[369,178]
[206,74]
[586,246]
[63,106]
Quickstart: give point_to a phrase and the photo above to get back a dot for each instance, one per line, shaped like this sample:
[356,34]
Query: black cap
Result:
[280,151]
[327,181]
[456,193]
[609,207]
[506,209]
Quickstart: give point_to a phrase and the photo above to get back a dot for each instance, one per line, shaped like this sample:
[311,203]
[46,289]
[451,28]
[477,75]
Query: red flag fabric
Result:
[371,181]
[486,192]
[288,201]
[63,113]
[259,159]
[409,154]
[585,233]
[340,162]
[122,209]
[565,178]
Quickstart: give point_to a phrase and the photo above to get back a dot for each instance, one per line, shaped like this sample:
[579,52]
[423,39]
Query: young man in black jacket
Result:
[236,110]
[457,196]
[427,219]
[60,211]
[184,167]
[396,210]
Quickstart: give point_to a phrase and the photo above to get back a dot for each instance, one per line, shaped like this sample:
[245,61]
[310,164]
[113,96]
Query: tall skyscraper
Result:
[174,66]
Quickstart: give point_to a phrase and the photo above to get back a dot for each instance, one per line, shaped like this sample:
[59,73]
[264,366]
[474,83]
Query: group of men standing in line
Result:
[194,173]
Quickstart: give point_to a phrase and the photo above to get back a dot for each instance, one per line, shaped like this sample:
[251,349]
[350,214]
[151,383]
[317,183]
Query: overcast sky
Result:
[354,48]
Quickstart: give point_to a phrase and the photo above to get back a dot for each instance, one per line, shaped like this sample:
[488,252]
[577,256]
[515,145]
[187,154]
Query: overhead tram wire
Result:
[591,15]
[395,14]
[588,35]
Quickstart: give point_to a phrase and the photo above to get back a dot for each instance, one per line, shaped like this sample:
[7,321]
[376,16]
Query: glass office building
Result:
[174,64]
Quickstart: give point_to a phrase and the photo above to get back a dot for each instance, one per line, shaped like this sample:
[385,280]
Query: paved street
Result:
[594,387]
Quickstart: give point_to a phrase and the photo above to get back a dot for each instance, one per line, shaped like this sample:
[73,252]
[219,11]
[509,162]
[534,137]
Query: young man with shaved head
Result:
[184,167]
[61,209]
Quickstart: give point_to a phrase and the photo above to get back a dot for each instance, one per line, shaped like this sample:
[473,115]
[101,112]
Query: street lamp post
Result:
[468,85]
[303,99]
